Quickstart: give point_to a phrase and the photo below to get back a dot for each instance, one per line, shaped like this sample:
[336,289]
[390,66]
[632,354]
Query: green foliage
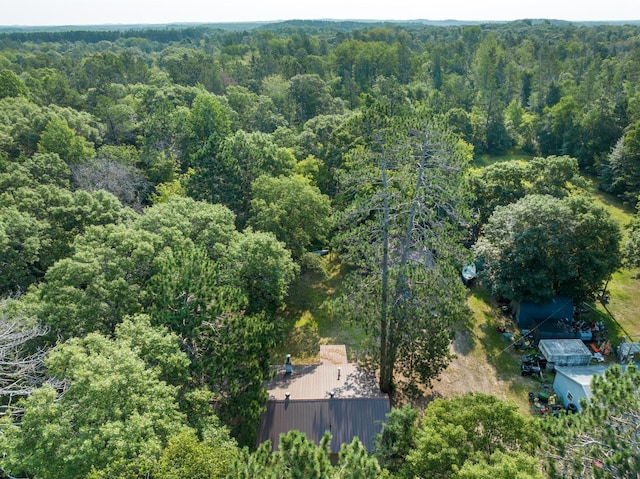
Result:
[619,172]
[58,138]
[101,283]
[501,184]
[188,66]
[187,457]
[234,362]
[202,301]
[226,176]
[47,168]
[208,123]
[512,465]
[297,458]
[292,209]
[113,409]
[255,112]
[11,85]
[355,463]
[145,97]
[401,233]
[631,247]
[49,215]
[21,123]
[397,438]
[542,246]
[188,287]
[311,96]
[166,190]
[22,241]
[264,269]
[183,222]
[156,346]
[313,169]
[457,434]
[600,441]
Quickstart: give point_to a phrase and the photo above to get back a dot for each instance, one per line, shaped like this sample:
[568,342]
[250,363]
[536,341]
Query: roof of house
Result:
[344,418]
[334,395]
[582,374]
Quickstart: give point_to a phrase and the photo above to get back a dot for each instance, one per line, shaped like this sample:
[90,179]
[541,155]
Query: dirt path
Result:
[467,373]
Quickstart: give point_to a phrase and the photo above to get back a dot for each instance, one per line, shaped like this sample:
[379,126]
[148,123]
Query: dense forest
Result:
[161,189]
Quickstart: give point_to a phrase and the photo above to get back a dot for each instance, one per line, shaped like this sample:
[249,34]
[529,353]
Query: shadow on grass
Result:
[492,346]
[308,318]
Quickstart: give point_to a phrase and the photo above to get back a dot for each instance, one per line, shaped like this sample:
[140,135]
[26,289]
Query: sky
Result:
[93,12]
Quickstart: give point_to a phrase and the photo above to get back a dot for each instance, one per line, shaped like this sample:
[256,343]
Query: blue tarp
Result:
[528,313]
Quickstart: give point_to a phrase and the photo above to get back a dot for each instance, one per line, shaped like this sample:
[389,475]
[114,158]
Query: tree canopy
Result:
[161,189]
[112,408]
[542,246]
[475,432]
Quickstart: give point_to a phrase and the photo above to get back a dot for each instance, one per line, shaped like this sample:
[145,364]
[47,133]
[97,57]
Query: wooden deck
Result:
[334,375]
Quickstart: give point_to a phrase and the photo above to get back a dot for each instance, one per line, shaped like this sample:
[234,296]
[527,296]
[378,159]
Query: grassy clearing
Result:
[623,214]
[491,347]
[310,320]
[624,291]
[624,286]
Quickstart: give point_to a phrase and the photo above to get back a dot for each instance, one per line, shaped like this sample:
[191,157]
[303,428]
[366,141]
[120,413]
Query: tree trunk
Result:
[386,362]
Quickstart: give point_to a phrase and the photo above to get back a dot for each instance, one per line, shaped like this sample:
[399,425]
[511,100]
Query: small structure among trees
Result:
[528,312]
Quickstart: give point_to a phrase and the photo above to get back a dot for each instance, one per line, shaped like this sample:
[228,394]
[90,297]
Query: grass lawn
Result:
[310,320]
[622,312]
[491,347]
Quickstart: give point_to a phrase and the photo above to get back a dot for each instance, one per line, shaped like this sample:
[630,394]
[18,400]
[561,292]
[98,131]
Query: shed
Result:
[627,352]
[527,312]
[572,384]
[564,352]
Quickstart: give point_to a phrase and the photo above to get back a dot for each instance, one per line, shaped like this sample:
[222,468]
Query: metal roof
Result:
[344,418]
[334,395]
[563,347]
[582,374]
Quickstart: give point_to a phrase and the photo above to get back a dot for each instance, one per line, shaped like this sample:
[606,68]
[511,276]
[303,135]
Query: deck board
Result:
[317,381]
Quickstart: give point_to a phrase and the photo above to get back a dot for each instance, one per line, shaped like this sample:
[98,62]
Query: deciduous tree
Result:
[503,183]
[542,246]
[188,457]
[264,269]
[459,433]
[292,209]
[59,138]
[101,283]
[112,410]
